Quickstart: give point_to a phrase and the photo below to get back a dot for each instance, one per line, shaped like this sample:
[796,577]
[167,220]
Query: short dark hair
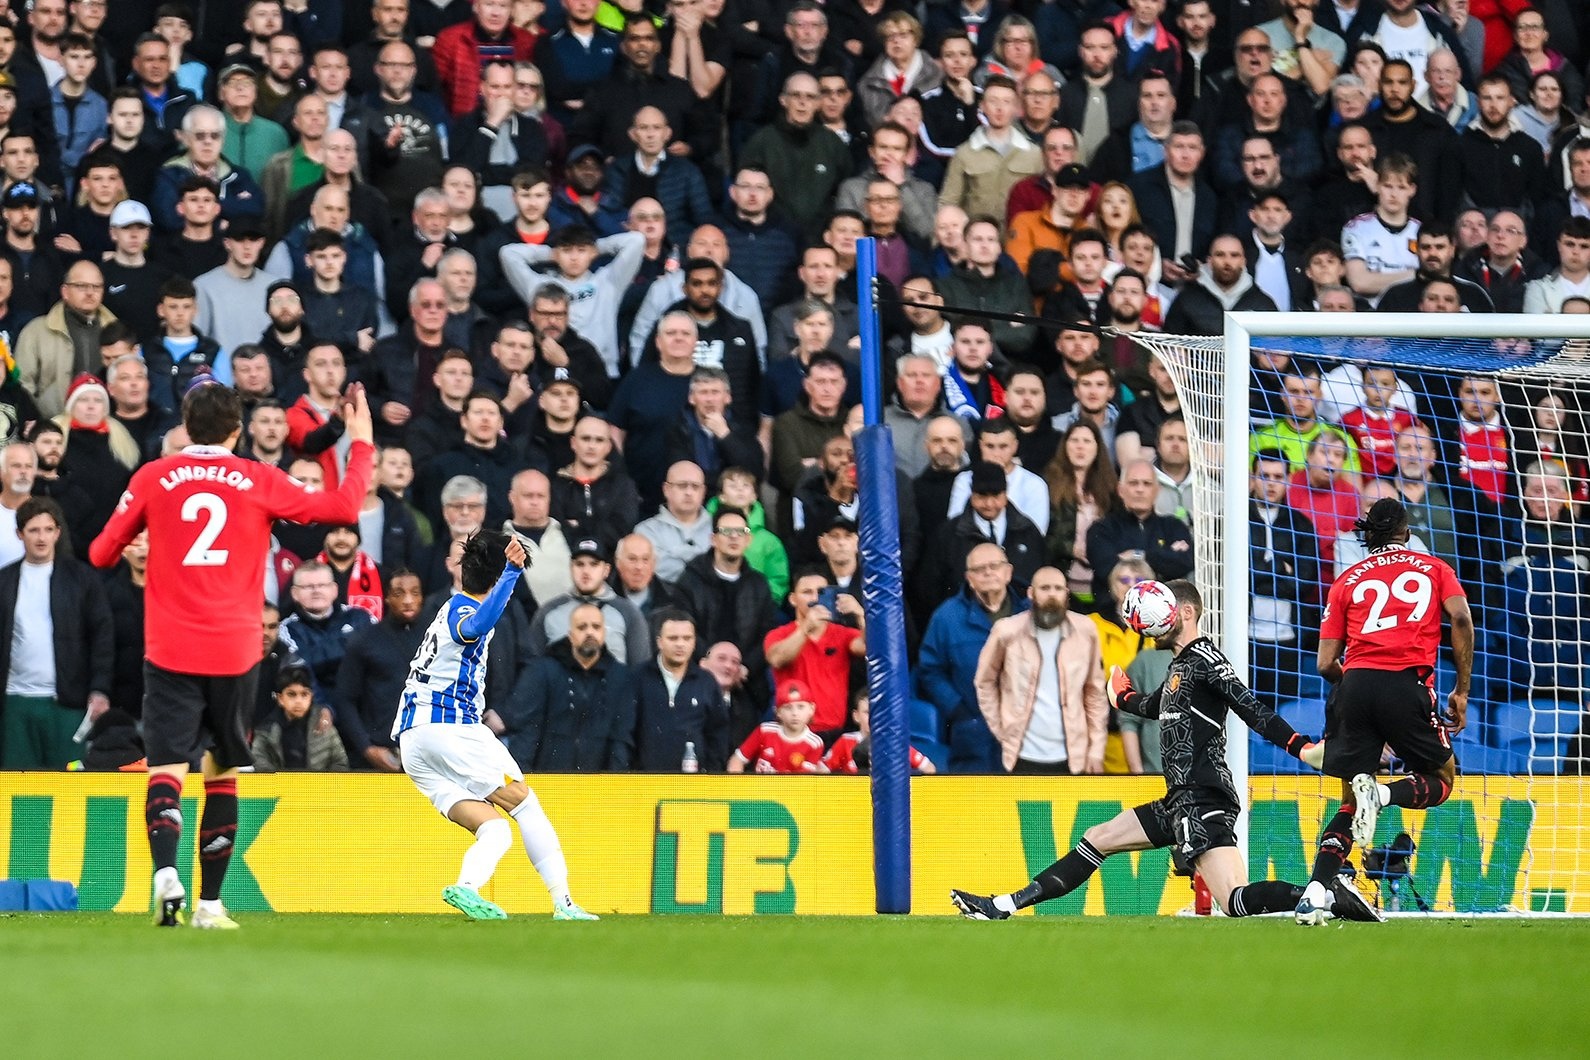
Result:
[246,351]
[1436,229]
[1187,593]
[1270,456]
[114,332]
[34,507]
[78,42]
[828,357]
[212,413]
[322,238]
[178,287]
[1575,228]
[725,511]
[482,561]
[703,265]
[662,616]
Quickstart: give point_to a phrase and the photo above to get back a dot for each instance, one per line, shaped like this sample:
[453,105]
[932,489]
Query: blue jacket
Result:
[363,255]
[946,669]
[322,642]
[680,189]
[76,130]
[565,719]
[764,256]
[241,197]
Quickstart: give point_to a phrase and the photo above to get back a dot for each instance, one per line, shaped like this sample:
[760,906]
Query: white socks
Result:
[167,882]
[541,843]
[1318,895]
[492,841]
[1005,903]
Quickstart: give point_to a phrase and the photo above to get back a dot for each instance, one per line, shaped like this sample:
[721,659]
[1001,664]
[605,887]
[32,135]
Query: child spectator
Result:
[1375,424]
[178,352]
[334,310]
[594,294]
[787,745]
[289,740]
[852,752]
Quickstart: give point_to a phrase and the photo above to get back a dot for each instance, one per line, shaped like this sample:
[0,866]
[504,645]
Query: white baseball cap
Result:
[130,212]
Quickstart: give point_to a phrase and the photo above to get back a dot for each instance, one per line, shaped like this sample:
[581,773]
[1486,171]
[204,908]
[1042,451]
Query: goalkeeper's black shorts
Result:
[1190,826]
[1373,708]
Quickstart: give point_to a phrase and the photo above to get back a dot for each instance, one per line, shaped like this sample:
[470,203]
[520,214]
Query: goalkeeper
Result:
[1197,817]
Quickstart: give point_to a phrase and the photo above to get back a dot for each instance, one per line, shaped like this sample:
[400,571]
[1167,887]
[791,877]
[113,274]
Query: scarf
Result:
[8,363]
[364,584]
[103,427]
[960,397]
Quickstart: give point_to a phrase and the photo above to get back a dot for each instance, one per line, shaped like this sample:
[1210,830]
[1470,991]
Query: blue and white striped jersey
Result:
[447,678]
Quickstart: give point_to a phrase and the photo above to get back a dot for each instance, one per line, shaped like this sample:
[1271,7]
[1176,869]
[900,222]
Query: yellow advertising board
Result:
[757,844]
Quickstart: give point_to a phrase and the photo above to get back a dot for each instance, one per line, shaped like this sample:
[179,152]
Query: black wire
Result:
[988,314]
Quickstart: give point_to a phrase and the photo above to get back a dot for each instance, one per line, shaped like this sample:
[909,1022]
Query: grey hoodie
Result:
[676,543]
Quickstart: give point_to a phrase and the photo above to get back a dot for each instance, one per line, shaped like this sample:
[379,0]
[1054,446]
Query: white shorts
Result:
[452,763]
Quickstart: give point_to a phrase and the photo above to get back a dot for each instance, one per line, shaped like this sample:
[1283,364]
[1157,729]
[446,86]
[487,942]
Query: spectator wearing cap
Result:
[1049,228]
[594,294]
[199,246]
[839,545]
[999,442]
[291,739]
[285,340]
[591,496]
[100,454]
[578,199]
[624,627]
[788,744]
[36,265]
[251,140]
[203,129]
[677,702]
[815,650]
[682,528]
[55,347]
[132,280]
[1040,684]
[550,421]
[358,578]
[989,516]
[573,708]
[57,644]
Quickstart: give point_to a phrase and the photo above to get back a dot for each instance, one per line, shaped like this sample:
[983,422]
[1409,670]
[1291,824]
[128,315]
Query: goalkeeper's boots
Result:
[567,910]
[169,899]
[213,919]
[1315,907]
[468,901]
[977,907]
[1349,904]
[1366,810]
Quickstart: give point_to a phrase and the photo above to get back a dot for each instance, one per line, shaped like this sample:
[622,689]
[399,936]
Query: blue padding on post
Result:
[13,896]
[51,896]
[888,676]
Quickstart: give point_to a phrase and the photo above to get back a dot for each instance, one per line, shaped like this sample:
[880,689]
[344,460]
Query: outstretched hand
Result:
[355,414]
[516,553]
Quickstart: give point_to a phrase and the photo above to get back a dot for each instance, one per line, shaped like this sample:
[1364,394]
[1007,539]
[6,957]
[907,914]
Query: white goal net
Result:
[1479,425]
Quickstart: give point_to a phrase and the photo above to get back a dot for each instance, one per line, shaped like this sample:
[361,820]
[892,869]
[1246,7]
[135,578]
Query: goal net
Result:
[1297,423]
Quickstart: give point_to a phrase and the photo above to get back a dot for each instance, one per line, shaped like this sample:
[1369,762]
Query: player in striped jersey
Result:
[452,757]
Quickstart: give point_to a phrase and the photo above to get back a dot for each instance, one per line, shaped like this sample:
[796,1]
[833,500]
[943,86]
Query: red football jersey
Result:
[209,516]
[1376,435]
[823,669]
[841,757]
[1387,608]
[769,744]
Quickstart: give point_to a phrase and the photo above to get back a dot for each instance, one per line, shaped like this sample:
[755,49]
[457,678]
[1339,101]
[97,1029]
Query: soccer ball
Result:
[1149,608]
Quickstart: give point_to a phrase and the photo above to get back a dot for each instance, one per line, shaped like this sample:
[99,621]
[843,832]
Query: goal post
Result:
[1518,812]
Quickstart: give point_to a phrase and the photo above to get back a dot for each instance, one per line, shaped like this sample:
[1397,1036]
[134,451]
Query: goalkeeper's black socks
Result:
[217,832]
[1063,877]
[1334,846]
[1418,792]
[1266,896]
[163,819]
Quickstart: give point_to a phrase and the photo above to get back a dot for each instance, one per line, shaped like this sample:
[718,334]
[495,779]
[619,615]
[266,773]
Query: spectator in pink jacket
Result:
[1040,684]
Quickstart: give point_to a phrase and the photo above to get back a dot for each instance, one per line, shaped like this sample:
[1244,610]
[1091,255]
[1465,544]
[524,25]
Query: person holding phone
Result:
[815,650]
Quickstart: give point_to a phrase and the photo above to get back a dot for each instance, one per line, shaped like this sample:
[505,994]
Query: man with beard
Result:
[573,708]
[358,579]
[77,504]
[1437,252]
[19,466]
[1026,408]
[408,143]
[723,340]
[945,442]
[1223,285]
[286,341]
[623,626]
[1040,685]
[1138,426]
[370,679]
[1402,125]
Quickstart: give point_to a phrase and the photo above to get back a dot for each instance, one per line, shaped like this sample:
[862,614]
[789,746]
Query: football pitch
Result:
[340,986]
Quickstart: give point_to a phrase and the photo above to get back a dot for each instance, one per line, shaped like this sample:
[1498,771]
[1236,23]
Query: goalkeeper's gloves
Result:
[1306,749]
[1119,691]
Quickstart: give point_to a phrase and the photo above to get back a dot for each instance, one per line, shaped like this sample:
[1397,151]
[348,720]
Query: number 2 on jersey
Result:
[1410,587]
[202,554]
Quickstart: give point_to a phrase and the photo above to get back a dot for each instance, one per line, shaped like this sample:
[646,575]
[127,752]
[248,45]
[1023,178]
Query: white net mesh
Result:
[1485,442]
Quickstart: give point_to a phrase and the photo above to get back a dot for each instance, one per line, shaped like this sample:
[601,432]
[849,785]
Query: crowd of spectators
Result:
[594,263]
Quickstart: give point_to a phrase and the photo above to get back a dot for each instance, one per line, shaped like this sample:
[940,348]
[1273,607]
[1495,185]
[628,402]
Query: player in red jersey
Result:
[1385,612]
[209,515]
[787,745]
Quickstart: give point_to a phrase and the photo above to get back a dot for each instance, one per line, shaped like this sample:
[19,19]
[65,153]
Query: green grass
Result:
[342,986]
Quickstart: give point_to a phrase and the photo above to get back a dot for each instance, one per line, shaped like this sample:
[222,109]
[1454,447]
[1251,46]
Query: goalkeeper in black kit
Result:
[1198,815]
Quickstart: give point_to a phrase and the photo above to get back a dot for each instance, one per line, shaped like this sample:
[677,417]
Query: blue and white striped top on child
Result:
[447,679]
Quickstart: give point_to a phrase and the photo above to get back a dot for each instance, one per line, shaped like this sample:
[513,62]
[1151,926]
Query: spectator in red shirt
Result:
[313,428]
[787,745]
[815,650]
[461,51]
[852,752]
[1323,493]
[1374,424]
